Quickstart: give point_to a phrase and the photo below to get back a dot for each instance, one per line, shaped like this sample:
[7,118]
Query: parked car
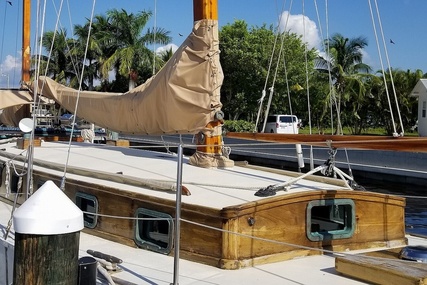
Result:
[282,124]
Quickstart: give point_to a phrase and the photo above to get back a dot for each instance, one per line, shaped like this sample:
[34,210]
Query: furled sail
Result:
[13,106]
[183,97]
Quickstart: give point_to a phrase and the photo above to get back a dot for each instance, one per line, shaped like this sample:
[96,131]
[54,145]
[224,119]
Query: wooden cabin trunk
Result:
[241,235]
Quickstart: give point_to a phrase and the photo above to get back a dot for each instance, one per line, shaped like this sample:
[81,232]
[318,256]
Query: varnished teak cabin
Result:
[222,225]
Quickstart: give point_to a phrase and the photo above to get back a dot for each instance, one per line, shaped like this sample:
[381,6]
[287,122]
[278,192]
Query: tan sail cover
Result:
[182,98]
[12,105]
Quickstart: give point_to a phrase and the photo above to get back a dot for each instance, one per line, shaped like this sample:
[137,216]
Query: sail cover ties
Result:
[210,150]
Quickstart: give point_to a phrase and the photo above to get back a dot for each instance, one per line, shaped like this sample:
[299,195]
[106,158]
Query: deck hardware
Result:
[251,221]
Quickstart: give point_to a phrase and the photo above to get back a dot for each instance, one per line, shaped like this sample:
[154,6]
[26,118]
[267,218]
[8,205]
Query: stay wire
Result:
[261,100]
[382,68]
[62,186]
[390,70]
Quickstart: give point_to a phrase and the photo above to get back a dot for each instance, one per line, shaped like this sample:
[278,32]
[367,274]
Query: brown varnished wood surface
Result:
[379,220]
[408,144]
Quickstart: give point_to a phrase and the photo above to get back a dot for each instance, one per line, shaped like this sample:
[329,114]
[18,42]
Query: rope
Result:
[36,101]
[154,40]
[390,71]
[330,252]
[270,98]
[62,186]
[382,63]
[2,36]
[8,190]
[263,93]
[16,38]
[88,135]
[332,97]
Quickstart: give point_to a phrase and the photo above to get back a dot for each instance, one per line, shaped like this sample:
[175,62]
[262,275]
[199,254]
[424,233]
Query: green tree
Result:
[94,53]
[245,57]
[404,82]
[58,63]
[130,54]
[166,55]
[344,61]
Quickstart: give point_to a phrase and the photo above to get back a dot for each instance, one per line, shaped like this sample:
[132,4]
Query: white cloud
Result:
[10,70]
[367,59]
[10,63]
[301,25]
[167,47]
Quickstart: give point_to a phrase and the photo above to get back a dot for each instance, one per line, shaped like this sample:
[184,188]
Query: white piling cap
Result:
[48,211]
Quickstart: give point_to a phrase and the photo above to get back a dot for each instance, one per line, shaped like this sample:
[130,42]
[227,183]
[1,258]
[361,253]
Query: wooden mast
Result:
[26,52]
[210,142]
[205,9]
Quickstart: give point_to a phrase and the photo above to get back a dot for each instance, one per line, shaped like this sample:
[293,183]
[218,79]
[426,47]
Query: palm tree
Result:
[59,64]
[95,52]
[345,65]
[129,49]
[166,55]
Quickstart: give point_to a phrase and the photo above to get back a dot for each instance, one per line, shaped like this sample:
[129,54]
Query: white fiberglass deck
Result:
[215,188]
[221,188]
[145,267]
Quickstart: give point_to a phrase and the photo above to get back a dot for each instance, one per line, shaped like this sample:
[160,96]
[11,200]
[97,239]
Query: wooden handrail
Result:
[407,144]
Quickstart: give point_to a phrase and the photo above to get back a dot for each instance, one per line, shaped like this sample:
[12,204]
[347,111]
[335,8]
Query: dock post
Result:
[47,232]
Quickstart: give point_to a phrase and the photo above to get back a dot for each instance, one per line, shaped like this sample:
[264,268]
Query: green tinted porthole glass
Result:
[154,230]
[330,219]
[88,204]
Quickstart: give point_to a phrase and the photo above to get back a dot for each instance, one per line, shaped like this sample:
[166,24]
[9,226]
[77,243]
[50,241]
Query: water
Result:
[416,202]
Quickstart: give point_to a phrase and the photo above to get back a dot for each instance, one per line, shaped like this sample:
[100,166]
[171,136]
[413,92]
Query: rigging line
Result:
[389,68]
[37,100]
[37,71]
[276,70]
[15,200]
[2,38]
[307,82]
[306,66]
[331,252]
[382,68]
[53,40]
[38,39]
[329,69]
[287,86]
[270,98]
[154,41]
[328,62]
[268,73]
[286,73]
[77,99]
[331,92]
[73,62]
[333,97]
[16,39]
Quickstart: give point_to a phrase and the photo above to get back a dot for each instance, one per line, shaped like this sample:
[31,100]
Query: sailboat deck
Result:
[145,267]
[213,188]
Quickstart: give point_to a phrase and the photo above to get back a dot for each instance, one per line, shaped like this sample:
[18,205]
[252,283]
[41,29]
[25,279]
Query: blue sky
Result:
[403,21]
